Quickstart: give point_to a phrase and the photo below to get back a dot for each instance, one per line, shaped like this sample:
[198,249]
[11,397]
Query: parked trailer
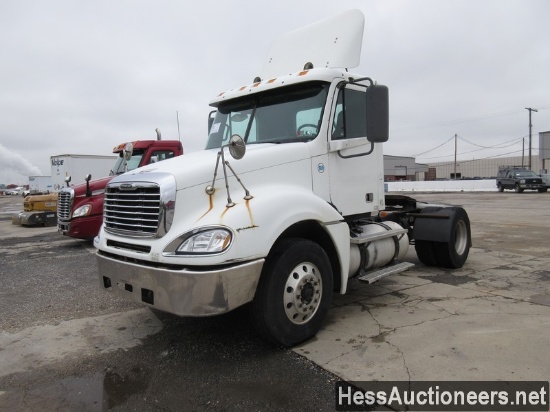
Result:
[40,185]
[77,167]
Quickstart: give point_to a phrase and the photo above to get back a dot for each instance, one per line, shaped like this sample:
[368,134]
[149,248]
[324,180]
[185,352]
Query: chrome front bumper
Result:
[181,292]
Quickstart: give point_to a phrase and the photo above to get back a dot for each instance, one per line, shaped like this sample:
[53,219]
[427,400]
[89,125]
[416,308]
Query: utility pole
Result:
[530,129]
[523,152]
[455,156]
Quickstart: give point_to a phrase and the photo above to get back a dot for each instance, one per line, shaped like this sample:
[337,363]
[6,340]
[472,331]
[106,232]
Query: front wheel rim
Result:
[302,293]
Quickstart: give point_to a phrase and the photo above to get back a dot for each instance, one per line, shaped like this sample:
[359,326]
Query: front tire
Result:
[518,189]
[294,292]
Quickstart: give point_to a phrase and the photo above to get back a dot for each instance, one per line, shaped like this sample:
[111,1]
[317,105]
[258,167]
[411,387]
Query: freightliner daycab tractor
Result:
[80,207]
[284,206]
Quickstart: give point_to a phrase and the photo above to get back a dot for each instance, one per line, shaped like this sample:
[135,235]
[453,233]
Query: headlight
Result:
[83,210]
[522,181]
[205,241]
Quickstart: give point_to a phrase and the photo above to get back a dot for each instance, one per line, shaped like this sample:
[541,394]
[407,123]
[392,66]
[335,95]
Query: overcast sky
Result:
[80,77]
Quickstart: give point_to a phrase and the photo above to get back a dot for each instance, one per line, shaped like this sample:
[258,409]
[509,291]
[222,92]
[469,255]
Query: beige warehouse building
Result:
[482,168]
[406,168]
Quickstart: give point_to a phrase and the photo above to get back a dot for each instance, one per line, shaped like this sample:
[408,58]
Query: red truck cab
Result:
[80,207]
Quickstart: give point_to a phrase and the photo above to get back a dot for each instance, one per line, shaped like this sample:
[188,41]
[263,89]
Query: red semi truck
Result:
[80,207]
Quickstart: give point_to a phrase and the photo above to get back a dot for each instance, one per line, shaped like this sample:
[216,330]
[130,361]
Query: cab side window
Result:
[159,155]
[349,117]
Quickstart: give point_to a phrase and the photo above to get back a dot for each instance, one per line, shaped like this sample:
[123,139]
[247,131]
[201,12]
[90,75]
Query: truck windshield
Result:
[290,114]
[133,163]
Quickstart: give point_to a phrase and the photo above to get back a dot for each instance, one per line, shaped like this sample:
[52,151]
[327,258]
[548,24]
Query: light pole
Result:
[530,128]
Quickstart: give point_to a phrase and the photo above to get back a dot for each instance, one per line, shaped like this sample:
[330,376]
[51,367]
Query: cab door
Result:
[355,164]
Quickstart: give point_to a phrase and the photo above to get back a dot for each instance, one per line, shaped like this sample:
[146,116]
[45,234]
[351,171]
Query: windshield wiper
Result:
[249,126]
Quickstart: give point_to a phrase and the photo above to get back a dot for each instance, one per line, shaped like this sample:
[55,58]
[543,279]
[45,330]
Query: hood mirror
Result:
[237,148]
[87,179]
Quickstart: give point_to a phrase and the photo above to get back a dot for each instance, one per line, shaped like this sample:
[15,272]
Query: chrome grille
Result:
[132,209]
[64,204]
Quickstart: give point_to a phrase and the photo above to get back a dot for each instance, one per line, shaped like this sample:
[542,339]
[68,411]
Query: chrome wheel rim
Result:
[302,294]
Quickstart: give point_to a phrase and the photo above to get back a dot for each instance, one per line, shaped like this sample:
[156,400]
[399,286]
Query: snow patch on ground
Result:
[488,185]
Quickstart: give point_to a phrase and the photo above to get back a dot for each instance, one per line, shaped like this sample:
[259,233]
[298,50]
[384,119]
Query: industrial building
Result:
[405,168]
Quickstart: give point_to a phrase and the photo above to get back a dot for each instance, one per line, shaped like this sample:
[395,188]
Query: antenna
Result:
[178,120]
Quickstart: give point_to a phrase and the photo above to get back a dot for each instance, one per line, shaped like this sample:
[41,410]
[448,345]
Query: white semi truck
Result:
[284,206]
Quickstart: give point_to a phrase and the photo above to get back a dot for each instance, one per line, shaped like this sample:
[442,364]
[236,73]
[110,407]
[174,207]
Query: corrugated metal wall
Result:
[484,168]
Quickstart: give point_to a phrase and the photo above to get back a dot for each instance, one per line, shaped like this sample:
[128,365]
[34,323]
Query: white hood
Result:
[197,168]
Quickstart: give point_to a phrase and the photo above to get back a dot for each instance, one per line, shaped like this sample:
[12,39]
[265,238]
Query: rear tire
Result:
[294,292]
[453,254]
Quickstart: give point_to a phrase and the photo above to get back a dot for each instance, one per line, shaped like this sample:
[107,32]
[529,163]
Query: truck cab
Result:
[80,207]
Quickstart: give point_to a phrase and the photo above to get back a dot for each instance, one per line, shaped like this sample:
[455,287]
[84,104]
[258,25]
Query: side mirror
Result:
[127,153]
[128,149]
[377,113]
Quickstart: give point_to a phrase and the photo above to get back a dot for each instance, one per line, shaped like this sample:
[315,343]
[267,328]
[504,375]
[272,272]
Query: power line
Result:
[466,119]
[437,147]
[514,141]
[500,145]
[475,160]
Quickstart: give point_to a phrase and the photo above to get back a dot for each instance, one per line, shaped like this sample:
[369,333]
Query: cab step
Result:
[377,274]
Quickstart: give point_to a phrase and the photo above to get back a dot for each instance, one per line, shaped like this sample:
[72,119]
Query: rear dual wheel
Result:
[453,252]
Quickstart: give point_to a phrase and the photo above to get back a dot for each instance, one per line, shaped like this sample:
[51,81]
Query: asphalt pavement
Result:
[66,345]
